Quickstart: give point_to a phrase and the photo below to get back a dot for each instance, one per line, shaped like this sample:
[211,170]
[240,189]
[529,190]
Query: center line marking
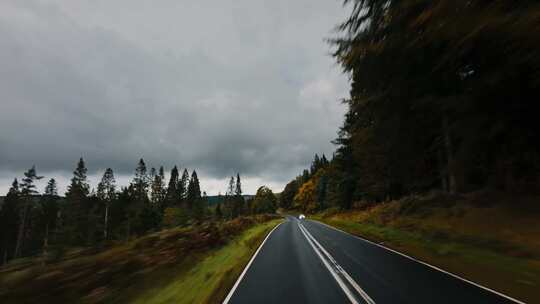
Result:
[336,270]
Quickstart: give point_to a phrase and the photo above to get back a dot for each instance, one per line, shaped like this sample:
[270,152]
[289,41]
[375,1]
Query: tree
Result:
[183,185]
[106,193]
[28,189]
[140,182]
[287,196]
[194,201]
[264,201]
[305,198]
[49,212]
[172,198]
[77,207]
[158,190]
[239,199]
[9,221]
[230,207]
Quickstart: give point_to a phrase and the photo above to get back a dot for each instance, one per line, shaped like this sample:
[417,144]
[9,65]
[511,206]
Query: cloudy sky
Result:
[218,86]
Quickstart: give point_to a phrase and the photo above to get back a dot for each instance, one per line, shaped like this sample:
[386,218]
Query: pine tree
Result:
[9,222]
[28,189]
[183,186]
[50,211]
[194,200]
[172,190]
[238,198]
[230,207]
[158,188]
[106,193]
[140,182]
[194,190]
[77,208]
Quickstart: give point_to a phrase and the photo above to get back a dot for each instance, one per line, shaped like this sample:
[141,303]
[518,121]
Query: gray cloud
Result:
[222,87]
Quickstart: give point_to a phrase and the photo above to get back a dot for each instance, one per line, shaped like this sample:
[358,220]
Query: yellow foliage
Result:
[305,198]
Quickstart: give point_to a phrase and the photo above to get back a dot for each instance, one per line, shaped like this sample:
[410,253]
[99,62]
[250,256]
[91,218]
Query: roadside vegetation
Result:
[438,153]
[477,236]
[196,264]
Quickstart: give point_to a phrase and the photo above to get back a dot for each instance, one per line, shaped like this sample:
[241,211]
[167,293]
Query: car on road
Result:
[301,217]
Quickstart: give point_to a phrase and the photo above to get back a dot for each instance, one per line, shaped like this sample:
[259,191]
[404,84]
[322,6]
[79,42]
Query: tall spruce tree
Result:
[172,198]
[194,201]
[183,186]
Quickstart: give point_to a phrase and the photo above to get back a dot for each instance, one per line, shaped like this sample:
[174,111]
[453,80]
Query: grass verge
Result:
[458,243]
[210,280]
[190,264]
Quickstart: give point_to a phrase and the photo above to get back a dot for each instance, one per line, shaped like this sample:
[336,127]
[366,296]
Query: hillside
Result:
[166,266]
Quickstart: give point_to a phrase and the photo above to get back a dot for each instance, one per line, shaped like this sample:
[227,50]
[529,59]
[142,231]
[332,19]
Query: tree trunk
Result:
[20,235]
[45,243]
[451,167]
[106,221]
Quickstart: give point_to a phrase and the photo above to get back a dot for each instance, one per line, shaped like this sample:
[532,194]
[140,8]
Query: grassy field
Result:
[195,264]
[210,280]
[488,242]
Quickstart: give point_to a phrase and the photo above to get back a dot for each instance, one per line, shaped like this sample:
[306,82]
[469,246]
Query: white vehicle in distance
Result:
[301,217]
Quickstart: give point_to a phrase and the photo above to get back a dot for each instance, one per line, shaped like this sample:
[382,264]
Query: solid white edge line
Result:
[233,289]
[340,282]
[353,283]
[425,263]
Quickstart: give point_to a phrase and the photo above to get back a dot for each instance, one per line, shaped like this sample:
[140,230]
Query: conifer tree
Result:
[77,209]
[183,185]
[172,190]
[49,211]
[28,189]
[9,222]
[106,193]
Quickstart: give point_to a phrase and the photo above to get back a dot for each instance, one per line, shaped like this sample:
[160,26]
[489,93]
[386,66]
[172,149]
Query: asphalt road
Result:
[309,262]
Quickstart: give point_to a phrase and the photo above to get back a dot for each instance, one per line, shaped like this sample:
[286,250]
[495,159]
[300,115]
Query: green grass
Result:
[506,265]
[210,280]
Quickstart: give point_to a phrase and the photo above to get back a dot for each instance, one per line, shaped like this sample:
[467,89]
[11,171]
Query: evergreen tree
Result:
[75,230]
[183,186]
[172,190]
[106,193]
[49,212]
[238,198]
[158,188]
[140,182]
[28,189]
[9,222]
[230,208]
[194,200]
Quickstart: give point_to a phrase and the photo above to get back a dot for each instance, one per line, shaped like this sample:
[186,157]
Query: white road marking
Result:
[426,264]
[337,270]
[228,298]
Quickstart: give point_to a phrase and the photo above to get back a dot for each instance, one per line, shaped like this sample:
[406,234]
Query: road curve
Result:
[308,262]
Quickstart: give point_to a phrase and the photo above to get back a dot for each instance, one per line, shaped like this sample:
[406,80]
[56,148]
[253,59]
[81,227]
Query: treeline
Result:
[47,224]
[443,96]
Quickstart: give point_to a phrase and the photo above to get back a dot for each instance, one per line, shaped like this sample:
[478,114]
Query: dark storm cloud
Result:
[222,87]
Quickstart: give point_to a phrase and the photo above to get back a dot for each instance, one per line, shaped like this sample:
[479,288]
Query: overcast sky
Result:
[218,86]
